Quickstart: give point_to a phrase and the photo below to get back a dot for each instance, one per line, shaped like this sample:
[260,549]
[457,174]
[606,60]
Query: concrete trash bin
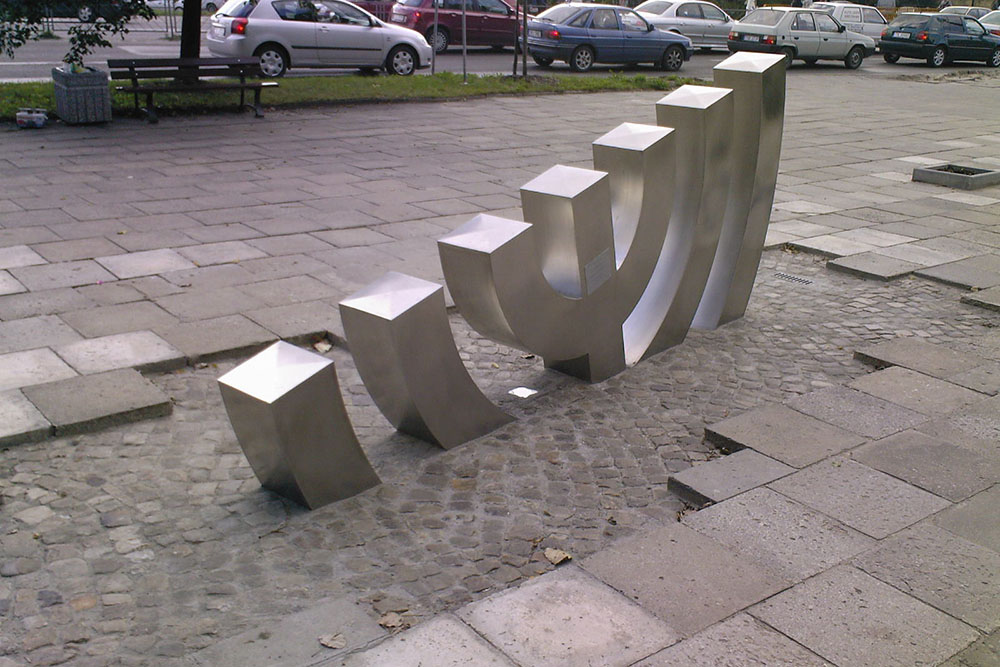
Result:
[82,97]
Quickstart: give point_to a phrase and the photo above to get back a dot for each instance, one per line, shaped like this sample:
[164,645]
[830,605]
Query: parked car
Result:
[703,22]
[314,33]
[804,34]
[206,5]
[939,38]
[487,22]
[583,34]
[856,18]
[974,12]
[992,22]
[86,12]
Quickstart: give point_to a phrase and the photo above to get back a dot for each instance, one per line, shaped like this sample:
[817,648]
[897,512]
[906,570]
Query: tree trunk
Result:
[191,30]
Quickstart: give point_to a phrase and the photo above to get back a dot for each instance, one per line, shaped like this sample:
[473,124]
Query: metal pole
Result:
[465,74]
[517,3]
[434,38]
[524,34]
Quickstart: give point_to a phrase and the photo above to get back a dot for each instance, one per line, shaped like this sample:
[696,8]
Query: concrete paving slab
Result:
[877,626]
[919,355]
[443,641]
[19,255]
[121,318]
[860,497]
[8,285]
[914,254]
[873,266]
[62,274]
[64,251]
[141,350]
[855,411]
[783,434]
[980,420]
[972,273]
[931,463]
[986,651]
[778,239]
[674,572]
[987,298]
[301,322]
[976,519]
[221,253]
[947,572]
[34,332]
[726,477]
[294,289]
[801,228]
[145,263]
[90,402]
[216,338]
[916,391]
[873,237]
[778,533]
[21,369]
[831,246]
[20,421]
[293,641]
[740,641]
[985,378]
[567,618]
[206,304]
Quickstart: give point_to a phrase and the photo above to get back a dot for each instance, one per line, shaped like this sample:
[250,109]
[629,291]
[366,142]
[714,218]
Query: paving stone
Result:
[987,298]
[20,421]
[919,355]
[293,640]
[740,641]
[294,289]
[220,253]
[873,237]
[726,477]
[951,574]
[980,420]
[872,265]
[34,332]
[877,626]
[122,318]
[205,340]
[801,228]
[780,534]
[443,641]
[141,350]
[19,255]
[20,369]
[301,322]
[916,391]
[65,251]
[674,572]
[778,239]
[855,411]
[915,254]
[864,499]
[932,463]
[986,651]
[831,246]
[976,519]
[972,273]
[783,434]
[206,304]
[8,285]
[90,402]
[62,274]
[985,378]
[567,618]
[45,302]
[145,263]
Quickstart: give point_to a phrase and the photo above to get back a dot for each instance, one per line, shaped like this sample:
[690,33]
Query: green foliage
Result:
[322,91]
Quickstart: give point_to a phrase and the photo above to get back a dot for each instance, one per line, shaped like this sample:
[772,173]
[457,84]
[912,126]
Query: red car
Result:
[488,22]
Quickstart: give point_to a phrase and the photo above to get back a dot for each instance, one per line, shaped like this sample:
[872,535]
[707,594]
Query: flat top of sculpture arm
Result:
[484,233]
[273,372]
[391,295]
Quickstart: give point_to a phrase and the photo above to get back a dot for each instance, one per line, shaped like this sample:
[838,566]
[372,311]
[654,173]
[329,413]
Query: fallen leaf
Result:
[322,346]
[556,556]
[391,621]
[333,641]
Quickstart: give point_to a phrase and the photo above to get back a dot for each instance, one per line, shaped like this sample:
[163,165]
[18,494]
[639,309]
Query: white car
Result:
[799,34]
[314,33]
[974,12]
[856,18]
[704,23]
[206,5]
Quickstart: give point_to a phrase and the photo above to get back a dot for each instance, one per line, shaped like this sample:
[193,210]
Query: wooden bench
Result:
[185,75]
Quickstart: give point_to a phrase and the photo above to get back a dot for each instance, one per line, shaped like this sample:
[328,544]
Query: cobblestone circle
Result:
[139,544]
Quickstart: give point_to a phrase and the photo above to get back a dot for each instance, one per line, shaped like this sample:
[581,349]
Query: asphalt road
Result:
[149,40]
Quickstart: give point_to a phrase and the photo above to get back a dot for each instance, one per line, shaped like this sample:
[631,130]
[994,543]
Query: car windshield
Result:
[557,14]
[763,17]
[993,18]
[954,10]
[654,6]
[822,5]
[411,3]
[909,21]
[237,8]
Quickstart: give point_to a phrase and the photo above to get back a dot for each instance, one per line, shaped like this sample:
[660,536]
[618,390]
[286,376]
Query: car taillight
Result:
[769,39]
[732,35]
[995,32]
[922,36]
[552,34]
[885,32]
[416,16]
[239,26]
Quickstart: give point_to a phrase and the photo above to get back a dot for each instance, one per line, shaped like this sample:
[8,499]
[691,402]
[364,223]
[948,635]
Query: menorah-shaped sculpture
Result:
[609,266]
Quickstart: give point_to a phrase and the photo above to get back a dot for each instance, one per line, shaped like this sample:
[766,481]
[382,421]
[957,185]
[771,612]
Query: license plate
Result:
[751,38]
[218,31]
[901,35]
[534,33]
[398,18]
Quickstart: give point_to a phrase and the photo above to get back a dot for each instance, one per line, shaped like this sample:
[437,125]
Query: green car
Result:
[938,39]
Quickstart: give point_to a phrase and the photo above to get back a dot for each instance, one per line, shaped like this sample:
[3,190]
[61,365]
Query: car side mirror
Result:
[650,27]
[841,28]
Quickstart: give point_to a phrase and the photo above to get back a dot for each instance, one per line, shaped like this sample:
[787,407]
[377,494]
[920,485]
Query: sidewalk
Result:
[185,244]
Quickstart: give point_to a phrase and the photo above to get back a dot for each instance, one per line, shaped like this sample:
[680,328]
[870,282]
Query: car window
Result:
[851,15]
[690,11]
[654,6]
[453,5]
[713,13]
[238,8]
[973,28]
[953,10]
[950,24]
[295,10]
[557,14]
[825,23]
[493,7]
[632,22]
[822,5]
[604,19]
[872,16]
[763,17]
[580,21]
[330,11]
[803,21]
[993,18]
[412,3]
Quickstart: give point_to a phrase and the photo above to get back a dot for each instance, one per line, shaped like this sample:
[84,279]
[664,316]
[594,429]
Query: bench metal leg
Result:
[258,110]
[150,109]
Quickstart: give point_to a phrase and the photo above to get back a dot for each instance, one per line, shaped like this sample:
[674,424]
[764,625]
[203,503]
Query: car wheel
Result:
[542,62]
[891,58]
[211,8]
[854,58]
[673,58]
[811,61]
[439,39]
[582,59]
[273,60]
[994,59]
[789,54]
[938,57]
[402,60]
[86,14]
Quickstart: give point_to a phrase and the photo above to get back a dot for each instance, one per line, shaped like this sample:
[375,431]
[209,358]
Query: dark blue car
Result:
[583,34]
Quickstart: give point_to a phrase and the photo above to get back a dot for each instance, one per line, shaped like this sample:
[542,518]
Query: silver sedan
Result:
[703,23]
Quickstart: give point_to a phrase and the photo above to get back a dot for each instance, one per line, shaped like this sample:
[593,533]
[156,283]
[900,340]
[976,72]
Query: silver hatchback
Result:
[704,23]
[314,33]
[800,34]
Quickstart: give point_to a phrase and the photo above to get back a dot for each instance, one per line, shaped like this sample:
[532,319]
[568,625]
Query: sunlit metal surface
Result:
[397,330]
[288,414]
[758,84]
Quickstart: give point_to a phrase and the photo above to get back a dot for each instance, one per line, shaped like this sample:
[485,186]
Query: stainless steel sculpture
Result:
[758,84]
[397,329]
[288,414]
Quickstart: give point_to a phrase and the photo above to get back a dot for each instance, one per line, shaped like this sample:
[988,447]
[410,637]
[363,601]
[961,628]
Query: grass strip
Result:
[331,90]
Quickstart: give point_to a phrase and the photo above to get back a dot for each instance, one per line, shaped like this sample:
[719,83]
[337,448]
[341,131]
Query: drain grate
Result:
[793,279]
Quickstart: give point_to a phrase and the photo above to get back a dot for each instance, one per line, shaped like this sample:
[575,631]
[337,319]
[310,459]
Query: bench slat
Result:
[173,73]
[187,89]
[176,62]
